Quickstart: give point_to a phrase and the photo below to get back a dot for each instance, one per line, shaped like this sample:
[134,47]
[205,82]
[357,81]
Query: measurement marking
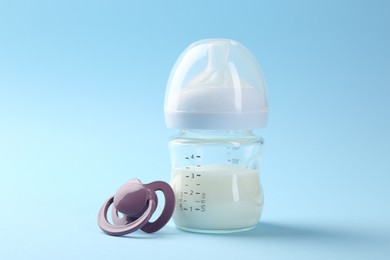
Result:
[187,167]
[229,160]
[184,200]
[198,165]
[185,192]
[187,158]
[185,208]
[197,201]
[198,156]
[186,185]
[187,176]
[198,175]
[198,184]
[197,209]
[196,192]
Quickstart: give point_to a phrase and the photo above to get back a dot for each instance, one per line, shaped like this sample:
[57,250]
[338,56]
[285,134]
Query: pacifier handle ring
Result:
[127,228]
[169,206]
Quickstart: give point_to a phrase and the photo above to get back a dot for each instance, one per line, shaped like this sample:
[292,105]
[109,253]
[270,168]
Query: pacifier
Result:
[136,202]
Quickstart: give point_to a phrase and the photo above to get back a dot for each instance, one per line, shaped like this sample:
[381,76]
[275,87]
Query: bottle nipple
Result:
[216,84]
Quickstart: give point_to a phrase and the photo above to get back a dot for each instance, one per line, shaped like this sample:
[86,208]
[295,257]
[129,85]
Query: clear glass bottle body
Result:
[215,177]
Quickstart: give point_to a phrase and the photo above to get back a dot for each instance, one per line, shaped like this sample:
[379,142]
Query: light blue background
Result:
[81,111]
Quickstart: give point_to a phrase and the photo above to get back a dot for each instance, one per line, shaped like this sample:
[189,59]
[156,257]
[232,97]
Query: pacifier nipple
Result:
[131,198]
[136,202]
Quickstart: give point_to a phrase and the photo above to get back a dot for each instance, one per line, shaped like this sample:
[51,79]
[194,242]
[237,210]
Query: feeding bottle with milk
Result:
[216,95]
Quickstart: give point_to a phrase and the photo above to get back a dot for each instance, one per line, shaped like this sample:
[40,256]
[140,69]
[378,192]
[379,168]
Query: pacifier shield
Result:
[169,206]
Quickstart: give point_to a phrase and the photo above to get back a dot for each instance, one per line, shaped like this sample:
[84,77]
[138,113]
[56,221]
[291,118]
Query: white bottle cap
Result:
[216,84]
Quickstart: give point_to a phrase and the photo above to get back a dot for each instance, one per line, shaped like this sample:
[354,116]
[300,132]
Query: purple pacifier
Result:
[137,202]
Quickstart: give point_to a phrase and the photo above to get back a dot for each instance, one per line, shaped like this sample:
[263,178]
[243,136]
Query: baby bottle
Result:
[216,95]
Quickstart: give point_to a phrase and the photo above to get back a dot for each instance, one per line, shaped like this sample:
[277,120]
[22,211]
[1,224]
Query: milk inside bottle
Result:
[216,95]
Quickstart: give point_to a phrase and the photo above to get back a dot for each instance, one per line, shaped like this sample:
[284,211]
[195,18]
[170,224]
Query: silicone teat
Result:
[131,198]
[137,202]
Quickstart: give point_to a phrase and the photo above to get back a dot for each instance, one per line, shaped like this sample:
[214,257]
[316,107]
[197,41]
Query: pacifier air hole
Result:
[132,207]
[160,206]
